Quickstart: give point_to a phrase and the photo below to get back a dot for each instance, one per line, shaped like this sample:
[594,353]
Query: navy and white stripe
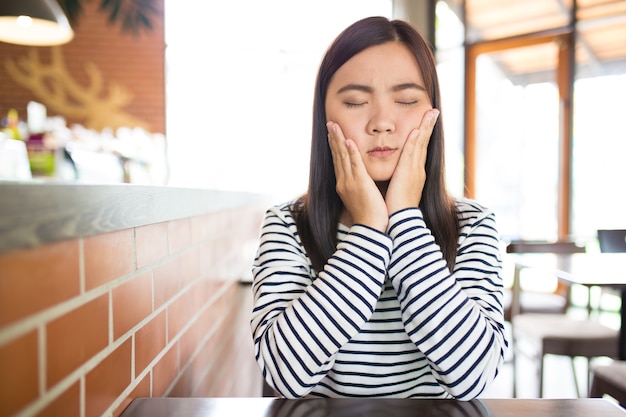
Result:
[385,318]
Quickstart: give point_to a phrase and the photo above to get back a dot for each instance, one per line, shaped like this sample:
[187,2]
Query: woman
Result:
[376,283]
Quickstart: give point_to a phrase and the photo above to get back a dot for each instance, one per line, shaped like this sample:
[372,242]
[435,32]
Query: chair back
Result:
[612,240]
[560,247]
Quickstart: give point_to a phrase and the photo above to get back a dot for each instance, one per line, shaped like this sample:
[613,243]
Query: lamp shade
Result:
[34,22]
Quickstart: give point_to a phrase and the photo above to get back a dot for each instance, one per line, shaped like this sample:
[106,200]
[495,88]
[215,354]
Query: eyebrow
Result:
[366,89]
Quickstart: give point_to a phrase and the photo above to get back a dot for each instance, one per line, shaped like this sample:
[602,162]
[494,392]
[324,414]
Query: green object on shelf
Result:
[42,162]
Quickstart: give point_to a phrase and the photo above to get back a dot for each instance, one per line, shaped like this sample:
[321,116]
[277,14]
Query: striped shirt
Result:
[385,318]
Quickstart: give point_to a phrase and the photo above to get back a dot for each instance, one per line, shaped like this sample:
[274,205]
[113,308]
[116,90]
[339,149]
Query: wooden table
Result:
[362,407]
[588,269]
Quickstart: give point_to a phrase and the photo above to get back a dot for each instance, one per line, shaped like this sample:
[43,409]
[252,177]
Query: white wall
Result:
[240,78]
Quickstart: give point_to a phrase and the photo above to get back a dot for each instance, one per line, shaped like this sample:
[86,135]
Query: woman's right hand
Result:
[358,192]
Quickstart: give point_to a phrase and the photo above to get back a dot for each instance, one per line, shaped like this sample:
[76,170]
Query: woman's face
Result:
[377,97]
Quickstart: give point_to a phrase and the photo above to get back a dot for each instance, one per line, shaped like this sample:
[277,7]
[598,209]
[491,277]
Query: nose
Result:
[380,121]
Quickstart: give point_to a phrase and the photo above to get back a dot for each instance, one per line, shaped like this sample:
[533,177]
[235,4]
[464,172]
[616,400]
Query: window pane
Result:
[599,192]
[450,70]
[599,144]
[517,136]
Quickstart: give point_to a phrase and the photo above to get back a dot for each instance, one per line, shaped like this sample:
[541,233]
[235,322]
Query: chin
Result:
[380,175]
[381,178]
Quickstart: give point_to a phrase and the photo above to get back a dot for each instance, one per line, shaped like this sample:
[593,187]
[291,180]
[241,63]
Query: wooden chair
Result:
[612,240]
[555,302]
[610,380]
[538,334]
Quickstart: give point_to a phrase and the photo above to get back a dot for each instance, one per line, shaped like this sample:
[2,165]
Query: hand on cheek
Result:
[407,183]
[355,187]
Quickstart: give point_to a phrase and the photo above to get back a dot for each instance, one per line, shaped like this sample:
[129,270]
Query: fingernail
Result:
[434,115]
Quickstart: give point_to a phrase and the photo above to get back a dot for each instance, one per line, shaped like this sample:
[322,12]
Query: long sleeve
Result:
[299,321]
[455,318]
[385,317]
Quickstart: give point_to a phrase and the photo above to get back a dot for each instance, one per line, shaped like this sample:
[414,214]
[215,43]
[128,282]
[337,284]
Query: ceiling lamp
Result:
[34,23]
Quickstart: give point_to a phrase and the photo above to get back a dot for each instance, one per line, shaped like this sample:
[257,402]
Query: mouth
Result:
[381,152]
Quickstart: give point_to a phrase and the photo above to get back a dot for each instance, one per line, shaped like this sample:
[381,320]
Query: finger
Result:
[338,149]
[357,167]
[410,145]
[346,156]
[427,126]
[416,145]
[429,119]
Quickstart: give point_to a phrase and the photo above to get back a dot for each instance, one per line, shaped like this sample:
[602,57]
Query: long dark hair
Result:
[317,212]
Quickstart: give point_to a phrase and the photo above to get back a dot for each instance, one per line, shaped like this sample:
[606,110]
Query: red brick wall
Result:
[134,63]
[88,324]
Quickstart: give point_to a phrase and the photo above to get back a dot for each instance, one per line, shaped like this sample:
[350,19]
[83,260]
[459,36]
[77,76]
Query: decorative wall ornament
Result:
[97,106]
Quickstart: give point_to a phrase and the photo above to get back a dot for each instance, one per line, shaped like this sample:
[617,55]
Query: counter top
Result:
[33,213]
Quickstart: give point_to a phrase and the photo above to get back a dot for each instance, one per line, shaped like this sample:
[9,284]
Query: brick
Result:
[132,302]
[202,227]
[179,232]
[107,257]
[76,337]
[205,353]
[179,312]
[164,372]
[208,264]
[106,382]
[34,279]
[67,404]
[166,283]
[149,341]
[142,390]
[183,385]
[18,373]
[190,266]
[151,243]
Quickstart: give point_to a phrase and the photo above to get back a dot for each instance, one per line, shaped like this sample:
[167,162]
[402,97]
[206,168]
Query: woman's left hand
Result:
[407,183]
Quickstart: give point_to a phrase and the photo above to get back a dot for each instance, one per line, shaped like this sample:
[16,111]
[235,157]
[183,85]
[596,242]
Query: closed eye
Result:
[350,104]
[408,103]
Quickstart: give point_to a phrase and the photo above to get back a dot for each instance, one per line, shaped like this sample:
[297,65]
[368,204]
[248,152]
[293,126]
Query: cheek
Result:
[352,130]
[350,125]
[335,113]
[413,119]
[333,110]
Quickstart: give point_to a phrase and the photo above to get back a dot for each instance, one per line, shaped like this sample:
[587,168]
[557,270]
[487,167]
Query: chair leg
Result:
[514,361]
[589,377]
[513,347]
[540,373]
[596,391]
[575,376]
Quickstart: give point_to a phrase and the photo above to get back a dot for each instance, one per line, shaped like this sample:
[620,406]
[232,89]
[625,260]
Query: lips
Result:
[381,152]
